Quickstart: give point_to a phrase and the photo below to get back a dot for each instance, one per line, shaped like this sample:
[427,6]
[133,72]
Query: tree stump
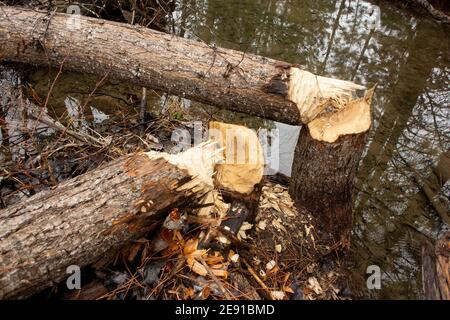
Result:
[322,180]
[325,164]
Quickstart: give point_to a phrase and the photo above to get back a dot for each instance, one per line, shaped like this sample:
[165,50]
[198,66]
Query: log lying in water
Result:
[92,215]
[222,77]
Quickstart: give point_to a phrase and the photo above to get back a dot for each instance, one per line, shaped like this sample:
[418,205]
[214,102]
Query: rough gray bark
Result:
[322,181]
[436,269]
[225,78]
[85,218]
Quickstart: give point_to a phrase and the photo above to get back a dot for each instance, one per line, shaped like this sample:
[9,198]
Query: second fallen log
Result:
[95,214]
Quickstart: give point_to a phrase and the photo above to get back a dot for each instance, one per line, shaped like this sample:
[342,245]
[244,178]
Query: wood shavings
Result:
[222,239]
[270,265]
[234,258]
[277,223]
[278,295]
[314,285]
[262,224]
[242,231]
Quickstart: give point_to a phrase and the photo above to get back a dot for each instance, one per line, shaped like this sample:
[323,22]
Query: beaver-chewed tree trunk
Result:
[322,180]
[95,214]
[326,160]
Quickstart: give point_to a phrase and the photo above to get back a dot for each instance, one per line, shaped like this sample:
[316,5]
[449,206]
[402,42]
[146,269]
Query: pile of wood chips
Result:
[276,256]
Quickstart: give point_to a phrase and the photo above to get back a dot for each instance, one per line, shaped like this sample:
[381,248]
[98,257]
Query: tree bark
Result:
[322,181]
[88,217]
[226,78]
[436,269]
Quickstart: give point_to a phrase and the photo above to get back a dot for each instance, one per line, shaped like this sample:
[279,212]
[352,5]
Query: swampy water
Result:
[407,55]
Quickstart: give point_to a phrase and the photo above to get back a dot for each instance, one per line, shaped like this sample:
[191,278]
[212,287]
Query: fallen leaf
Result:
[190,246]
[133,251]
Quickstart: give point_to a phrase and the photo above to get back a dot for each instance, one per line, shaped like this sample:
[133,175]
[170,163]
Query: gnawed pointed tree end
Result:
[352,118]
[325,104]
[243,167]
[198,161]
[313,94]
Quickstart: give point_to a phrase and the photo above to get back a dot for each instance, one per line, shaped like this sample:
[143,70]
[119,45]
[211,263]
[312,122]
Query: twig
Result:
[213,276]
[255,276]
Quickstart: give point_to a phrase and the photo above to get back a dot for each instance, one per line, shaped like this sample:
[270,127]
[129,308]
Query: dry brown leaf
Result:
[190,246]
[288,289]
[196,266]
[133,251]
[220,273]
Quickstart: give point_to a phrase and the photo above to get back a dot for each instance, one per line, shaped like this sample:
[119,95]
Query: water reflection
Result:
[409,58]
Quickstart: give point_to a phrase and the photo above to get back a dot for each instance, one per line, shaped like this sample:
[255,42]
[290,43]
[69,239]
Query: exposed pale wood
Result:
[243,167]
[326,161]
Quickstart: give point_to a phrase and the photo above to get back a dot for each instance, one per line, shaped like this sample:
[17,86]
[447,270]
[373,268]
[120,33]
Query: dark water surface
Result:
[409,57]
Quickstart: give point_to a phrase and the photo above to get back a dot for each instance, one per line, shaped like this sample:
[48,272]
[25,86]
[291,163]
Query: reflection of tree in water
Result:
[408,59]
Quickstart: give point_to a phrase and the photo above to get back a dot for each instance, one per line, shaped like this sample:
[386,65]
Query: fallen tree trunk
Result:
[93,215]
[222,77]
